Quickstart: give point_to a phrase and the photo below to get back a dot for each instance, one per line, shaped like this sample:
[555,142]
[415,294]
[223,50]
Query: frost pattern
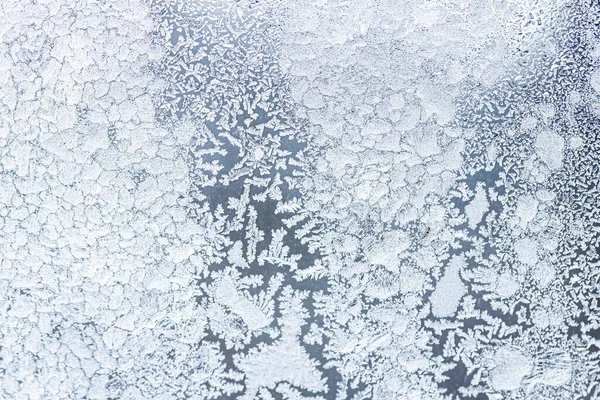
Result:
[219,199]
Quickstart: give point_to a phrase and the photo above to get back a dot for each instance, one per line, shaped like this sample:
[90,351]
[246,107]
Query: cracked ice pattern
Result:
[374,199]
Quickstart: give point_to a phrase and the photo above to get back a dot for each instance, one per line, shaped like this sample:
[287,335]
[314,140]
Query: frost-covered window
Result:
[299,199]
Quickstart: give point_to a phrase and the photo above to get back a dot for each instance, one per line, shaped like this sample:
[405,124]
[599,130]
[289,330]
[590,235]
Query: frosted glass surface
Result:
[299,199]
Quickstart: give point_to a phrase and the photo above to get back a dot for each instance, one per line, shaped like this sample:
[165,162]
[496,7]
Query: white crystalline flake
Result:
[283,361]
[313,99]
[527,251]
[376,127]
[449,290]
[526,209]
[595,81]
[549,147]
[477,208]
[227,294]
[387,251]
[511,366]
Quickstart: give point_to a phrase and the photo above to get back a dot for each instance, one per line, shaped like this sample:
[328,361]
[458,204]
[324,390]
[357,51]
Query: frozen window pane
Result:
[293,199]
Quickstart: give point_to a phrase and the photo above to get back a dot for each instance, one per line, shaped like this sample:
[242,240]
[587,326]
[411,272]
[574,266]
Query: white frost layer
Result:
[86,274]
